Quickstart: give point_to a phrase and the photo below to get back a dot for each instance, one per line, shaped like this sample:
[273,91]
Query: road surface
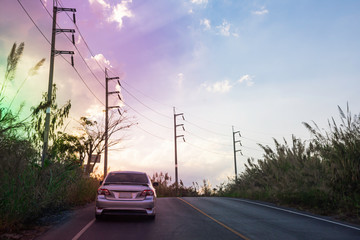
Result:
[205,218]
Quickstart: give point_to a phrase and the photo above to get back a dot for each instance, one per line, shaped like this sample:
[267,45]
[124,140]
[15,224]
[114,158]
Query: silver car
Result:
[126,193]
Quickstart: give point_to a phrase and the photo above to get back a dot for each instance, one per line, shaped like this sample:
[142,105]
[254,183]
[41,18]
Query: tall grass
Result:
[28,191]
[322,174]
[168,189]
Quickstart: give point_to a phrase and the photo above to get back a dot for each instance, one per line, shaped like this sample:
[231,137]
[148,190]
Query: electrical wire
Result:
[88,86]
[61,55]
[153,99]
[206,150]
[159,113]
[148,118]
[87,46]
[253,140]
[137,125]
[207,140]
[78,51]
[33,21]
[195,125]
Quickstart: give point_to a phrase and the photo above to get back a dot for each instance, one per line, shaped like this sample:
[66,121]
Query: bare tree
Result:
[93,136]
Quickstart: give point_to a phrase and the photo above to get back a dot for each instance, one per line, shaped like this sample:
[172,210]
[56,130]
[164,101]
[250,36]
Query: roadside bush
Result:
[322,175]
[29,192]
[166,189]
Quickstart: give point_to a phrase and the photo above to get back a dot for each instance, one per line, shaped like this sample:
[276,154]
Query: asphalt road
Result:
[205,218]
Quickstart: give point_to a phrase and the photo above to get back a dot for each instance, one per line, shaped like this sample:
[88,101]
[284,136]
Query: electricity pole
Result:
[175,141]
[107,93]
[235,150]
[51,72]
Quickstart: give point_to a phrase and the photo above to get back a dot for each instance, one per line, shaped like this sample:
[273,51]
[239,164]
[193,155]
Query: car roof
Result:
[136,172]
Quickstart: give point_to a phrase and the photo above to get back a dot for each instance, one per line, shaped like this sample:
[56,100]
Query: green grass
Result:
[28,191]
[322,175]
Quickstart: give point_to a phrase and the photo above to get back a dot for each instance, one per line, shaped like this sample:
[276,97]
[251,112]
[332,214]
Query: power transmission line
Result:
[148,118]
[33,21]
[27,13]
[153,99]
[207,150]
[207,140]
[195,125]
[91,52]
[159,113]
[78,51]
[137,125]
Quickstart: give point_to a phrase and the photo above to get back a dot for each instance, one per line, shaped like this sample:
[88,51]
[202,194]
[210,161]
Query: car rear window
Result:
[126,178]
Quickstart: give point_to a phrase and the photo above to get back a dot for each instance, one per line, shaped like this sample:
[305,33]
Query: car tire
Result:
[152,217]
[98,217]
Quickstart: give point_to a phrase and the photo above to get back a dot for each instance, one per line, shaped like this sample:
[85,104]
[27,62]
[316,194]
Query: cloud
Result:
[100,3]
[120,11]
[262,11]
[98,59]
[246,79]
[95,111]
[224,28]
[218,87]
[206,23]
[120,102]
[180,79]
[199,2]
[112,13]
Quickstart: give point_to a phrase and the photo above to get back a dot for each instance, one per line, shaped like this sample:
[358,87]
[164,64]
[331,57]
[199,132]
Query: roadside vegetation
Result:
[168,189]
[28,190]
[321,175]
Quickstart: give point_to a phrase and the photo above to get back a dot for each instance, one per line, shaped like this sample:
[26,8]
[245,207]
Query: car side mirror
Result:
[101,182]
[155,184]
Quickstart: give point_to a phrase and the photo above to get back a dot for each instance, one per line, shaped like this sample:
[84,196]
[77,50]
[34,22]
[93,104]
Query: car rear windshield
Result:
[138,178]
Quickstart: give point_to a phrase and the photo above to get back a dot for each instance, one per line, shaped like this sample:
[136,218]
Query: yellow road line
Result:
[218,222]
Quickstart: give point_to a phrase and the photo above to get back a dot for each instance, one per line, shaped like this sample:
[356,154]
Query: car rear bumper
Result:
[125,207]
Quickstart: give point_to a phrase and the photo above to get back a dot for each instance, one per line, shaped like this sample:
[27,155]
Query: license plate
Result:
[125,195]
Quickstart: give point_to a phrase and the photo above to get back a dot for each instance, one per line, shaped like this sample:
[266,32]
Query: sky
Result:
[262,66]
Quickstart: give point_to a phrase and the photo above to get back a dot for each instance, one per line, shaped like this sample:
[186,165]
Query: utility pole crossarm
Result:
[57,52]
[238,142]
[180,125]
[60,30]
[111,107]
[66,9]
[112,78]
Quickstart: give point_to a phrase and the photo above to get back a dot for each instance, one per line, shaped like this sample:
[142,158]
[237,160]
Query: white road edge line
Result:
[301,214]
[77,236]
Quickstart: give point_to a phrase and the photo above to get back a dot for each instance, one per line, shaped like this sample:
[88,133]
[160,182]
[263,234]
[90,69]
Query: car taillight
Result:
[147,193]
[103,191]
